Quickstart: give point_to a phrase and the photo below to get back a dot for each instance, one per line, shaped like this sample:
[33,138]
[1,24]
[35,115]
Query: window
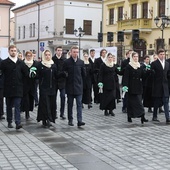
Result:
[87,27]
[111,16]
[69,26]
[33,33]
[120,13]
[19,32]
[145,9]
[134,11]
[23,32]
[161,8]
[30,30]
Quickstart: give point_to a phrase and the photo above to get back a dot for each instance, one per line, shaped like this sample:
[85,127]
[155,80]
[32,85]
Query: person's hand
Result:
[32,73]
[125,89]
[100,85]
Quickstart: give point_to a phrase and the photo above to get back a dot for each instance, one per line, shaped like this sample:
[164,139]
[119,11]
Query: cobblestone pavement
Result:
[104,143]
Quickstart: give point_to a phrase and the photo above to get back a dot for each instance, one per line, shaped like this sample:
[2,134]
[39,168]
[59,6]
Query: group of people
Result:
[143,85]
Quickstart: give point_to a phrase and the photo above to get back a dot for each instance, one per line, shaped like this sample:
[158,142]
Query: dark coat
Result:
[92,70]
[107,77]
[47,79]
[87,80]
[1,77]
[168,60]
[124,64]
[74,79]
[13,77]
[61,81]
[160,79]
[133,80]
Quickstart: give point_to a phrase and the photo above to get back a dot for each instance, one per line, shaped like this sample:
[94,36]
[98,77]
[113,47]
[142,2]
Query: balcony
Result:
[131,24]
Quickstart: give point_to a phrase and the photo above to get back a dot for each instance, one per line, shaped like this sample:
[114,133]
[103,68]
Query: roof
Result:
[6,2]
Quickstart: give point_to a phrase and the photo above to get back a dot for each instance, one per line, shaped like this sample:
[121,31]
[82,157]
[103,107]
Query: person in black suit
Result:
[60,84]
[160,90]
[93,81]
[14,70]
[75,71]
[97,65]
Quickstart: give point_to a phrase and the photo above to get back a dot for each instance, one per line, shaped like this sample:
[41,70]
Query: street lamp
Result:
[79,33]
[165,22]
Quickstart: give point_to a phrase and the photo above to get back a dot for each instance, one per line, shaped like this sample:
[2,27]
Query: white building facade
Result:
[50,23]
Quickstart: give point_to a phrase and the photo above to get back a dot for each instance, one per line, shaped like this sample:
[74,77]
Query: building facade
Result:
[5,7]
[128,15]
[50,23]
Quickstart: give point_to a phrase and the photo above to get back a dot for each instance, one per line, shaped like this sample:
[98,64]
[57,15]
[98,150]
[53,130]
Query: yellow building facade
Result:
[129,15]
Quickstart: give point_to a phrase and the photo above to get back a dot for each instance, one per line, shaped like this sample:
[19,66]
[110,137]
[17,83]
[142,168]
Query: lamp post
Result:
[165,22]
[79,33]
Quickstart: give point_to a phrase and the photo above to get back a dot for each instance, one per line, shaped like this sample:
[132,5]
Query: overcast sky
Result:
[19,3]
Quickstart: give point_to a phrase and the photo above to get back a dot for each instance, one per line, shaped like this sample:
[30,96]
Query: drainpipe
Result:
[38,38]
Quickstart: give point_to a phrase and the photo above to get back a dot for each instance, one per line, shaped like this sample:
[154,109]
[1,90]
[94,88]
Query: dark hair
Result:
[128,51]
[102,51]
[92,50]
[146,56]
[133,53]
[161,51]
[58,47]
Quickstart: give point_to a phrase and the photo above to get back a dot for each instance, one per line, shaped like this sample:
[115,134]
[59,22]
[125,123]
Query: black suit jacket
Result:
[160,79]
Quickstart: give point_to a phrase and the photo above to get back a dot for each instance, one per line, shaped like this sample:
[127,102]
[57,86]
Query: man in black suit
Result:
[1,94]
[14,70]
[94,83]
[160,90]
[75,72]
[97,65]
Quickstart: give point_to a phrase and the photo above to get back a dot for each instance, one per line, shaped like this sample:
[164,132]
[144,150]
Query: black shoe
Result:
[143,120]
[70,123]
[10,125]
[49,123]
[80,124]
[36,104]
[111,113]
[161,110]
[150,111]
[2,117]
[62,117]
[27,115]
[44,123]
[155,120]
[129,120]
[89,106]
[18,126]
[106,113]
[56,117]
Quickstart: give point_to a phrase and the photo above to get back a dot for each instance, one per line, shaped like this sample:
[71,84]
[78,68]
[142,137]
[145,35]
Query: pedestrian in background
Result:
[87,81]
[97,64]
[47,90]
[132,85]
[124,63]
[94,83]
[74,68]
[14,70]
[60,83]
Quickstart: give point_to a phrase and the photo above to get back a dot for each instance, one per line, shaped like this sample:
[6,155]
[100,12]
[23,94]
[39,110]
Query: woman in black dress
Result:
[132,85]
[47,88]
[107,86]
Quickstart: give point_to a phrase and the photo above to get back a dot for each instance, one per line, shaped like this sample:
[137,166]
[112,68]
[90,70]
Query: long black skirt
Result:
[47,108]
[135,107]
[86,96]
[148,100]
[27,102]
[107,100]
